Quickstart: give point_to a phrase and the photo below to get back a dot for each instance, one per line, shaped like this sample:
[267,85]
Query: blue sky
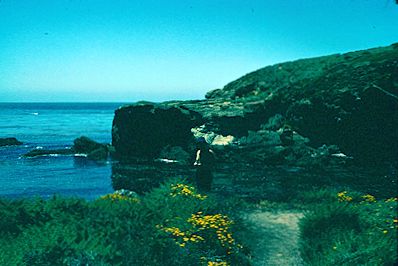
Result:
[86,50]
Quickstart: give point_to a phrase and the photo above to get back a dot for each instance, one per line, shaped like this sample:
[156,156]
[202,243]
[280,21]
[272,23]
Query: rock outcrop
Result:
[145,129]
[45,152]
[339,107]
[9,142]
[94,150]
[82,145]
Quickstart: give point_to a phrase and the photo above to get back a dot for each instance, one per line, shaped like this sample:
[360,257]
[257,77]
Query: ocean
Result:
[52,126]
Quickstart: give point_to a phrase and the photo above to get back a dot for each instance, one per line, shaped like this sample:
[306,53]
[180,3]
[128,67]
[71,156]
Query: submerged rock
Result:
[99,154]
[9,142]
[83,145]
[43,152]
[94,150]
[86,145]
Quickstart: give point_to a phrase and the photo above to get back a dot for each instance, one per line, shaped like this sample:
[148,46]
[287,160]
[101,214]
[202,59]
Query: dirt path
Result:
[274,237]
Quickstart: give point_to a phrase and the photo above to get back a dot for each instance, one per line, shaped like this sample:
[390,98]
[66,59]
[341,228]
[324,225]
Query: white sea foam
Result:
[164,160]
[80,155]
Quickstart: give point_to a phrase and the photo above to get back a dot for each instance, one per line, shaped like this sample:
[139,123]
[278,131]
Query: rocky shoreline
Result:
[318,115]
[331,111]
[344,100]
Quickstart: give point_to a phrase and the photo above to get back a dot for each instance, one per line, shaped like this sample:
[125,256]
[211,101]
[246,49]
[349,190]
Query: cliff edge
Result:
[347,100]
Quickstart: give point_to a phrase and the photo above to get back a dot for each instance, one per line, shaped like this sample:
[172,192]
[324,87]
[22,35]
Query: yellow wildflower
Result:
[217,223]
[185,190]
[217,263]
[342,196]
[369,198]
[392,199]
[119,197]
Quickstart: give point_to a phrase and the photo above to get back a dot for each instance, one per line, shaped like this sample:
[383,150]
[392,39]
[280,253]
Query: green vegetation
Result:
[175,225]
[171,225]
[347,228]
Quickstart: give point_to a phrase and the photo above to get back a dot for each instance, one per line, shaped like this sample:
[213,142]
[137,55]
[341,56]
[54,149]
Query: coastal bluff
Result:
[338,106]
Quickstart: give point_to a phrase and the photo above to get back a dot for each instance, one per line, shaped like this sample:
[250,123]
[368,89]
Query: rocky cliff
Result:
[348,101]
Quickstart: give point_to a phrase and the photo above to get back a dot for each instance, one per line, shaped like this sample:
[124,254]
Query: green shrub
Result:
[353,229]
[19,214]
[116,229]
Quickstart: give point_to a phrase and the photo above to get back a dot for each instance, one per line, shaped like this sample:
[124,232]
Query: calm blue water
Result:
[51,126]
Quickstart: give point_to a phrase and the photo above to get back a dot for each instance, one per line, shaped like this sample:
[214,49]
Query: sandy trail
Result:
[274,237]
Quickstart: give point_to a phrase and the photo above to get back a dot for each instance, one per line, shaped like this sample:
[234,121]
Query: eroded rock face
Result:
[347,100]
[143,130]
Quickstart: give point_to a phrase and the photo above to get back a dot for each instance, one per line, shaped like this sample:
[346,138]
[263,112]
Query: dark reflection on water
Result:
[141,177]
[262,182]
[83,162]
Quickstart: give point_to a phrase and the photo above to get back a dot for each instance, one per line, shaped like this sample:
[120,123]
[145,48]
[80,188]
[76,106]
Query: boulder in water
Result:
[9,142]
[42,152]
[83,145]
[86,145]
[99,154]
[94,150]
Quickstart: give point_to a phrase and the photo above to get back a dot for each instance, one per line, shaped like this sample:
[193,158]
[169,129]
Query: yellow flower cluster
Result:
[185,190]
[369,198]
[119,197]
[219,223]
[342,196]
[391,199]
[175,231]
[217,263]
[182,237]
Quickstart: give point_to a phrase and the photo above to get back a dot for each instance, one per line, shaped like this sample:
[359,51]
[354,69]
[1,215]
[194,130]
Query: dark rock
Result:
[94,150]
[275,122]
[175,154]
[261,137]
[345,100]
[286,136]
[142,178]
[143,130]
[9,142]
[86,145]
[42,152]
[100,154]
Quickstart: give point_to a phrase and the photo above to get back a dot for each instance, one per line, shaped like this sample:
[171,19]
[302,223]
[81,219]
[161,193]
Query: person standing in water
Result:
[204,166]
